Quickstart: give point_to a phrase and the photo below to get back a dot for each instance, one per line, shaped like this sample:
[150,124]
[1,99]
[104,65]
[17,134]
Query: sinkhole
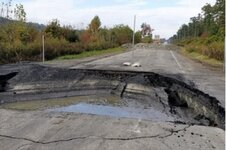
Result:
[143,95]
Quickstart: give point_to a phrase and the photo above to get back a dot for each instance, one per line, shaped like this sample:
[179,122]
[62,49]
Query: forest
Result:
[205,33]
[22,41]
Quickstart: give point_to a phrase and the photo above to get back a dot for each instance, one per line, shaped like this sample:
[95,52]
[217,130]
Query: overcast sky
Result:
[165,16]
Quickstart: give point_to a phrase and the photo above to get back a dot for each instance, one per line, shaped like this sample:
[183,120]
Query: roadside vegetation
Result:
[92,53]
[204,34]
[202,58]
[20,41]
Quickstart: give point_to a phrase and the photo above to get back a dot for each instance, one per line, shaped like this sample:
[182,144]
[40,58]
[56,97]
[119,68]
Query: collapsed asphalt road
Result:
[181,117]
[162,59]
[97,103]
[163,93]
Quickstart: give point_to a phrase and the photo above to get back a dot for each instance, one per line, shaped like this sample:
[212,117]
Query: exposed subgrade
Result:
[166,93]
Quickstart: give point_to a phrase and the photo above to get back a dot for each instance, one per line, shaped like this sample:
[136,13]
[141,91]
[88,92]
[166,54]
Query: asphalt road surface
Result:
[64,131]
[45,130]
[162,60]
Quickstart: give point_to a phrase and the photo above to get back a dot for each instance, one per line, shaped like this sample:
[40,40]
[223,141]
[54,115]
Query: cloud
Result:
[164,19]
[193,3]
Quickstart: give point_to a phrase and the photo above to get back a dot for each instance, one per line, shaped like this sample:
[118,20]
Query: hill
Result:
[4,21]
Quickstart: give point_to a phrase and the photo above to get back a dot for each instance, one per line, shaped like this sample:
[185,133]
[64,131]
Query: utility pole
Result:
[134,26]
[43,48]
[224,57]
[136,64]
[133,43]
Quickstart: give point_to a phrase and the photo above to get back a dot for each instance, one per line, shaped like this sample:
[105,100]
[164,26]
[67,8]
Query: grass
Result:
[202,58]
[91,53]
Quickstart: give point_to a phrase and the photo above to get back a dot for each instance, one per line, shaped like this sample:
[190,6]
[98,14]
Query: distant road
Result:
[159,60]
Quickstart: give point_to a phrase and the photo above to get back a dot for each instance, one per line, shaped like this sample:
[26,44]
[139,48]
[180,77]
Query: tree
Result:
[146,30]
[69,34]
[94,26]
[28,35]
[54,29]
[2,9]
[138,37]
[104,34]
[6,9]
[20,13]
[208,18]
[219,11]
[211,23]
[122,34]
[219,17]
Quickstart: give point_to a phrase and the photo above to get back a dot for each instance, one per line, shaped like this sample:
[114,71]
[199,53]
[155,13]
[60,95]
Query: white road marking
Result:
[178,64]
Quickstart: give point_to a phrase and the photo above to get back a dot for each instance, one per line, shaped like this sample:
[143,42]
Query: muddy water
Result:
[105,105]
[113,106]
[121,112]
[112,100]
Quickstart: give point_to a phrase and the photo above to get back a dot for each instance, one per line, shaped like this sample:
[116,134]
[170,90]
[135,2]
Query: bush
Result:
[146,39]
[190,49]
[20,42]
[210,47]
[216,50]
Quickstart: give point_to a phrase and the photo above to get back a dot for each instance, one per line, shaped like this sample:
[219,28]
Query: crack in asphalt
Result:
[97,137]
[175,131]
[160,100]
[163,104]
[123,90]
[41,142]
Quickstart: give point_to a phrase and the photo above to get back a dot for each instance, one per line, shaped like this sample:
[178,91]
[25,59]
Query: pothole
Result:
[142,95]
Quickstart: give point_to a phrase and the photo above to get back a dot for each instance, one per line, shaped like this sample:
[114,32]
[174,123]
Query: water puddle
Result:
[121,112]
[112,100]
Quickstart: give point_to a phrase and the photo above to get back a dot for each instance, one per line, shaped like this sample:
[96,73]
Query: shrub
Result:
[147,39]
[20,42]
[190,49]
[216,50]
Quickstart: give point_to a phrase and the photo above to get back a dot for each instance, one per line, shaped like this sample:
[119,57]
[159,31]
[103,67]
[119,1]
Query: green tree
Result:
[28,35]
[209,24]
[104,34]
[219,16]
[54,29]
[69,34]
[122,34]
[138,37]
